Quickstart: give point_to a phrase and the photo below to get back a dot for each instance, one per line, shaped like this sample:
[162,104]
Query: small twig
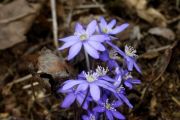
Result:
[175,100]
[69,18]
[101,7]
[22,79]
[159,49]
[29,85]
[89,6]
[54,19]
[177,3]
[33,90]
[173,20]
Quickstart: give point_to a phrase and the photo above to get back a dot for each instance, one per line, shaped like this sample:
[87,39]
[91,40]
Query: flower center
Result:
[91,76]
[105,30]
[101,71]
[113,54]
[130,51]
[83,37]
[108,106]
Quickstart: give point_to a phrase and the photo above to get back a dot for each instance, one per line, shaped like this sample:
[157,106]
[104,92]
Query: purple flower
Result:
[91,81]
[120,90]
[110,57]
[129,81]
[91,116]
[109,29]
[71,96]
[109,109]
[120,94]
[129,56]
[86,38]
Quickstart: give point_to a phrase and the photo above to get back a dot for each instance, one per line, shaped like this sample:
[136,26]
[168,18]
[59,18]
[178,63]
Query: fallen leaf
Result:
[153,16]
[16,21]
[163,32]
[50,63]
[146,13]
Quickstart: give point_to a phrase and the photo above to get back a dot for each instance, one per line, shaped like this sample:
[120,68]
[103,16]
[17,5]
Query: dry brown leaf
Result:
[15,20]
[150,15]
[50,63]
[153,16]
[163,32]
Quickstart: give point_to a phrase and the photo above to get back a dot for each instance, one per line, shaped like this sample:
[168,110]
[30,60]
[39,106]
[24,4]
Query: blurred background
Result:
[28,26]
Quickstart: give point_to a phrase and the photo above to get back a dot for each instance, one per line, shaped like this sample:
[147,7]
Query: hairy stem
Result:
[87,60]
[116,48]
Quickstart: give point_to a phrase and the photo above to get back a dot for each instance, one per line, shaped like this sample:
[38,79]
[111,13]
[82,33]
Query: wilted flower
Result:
[86,38]
[109,29]
[109,109]
[89,80]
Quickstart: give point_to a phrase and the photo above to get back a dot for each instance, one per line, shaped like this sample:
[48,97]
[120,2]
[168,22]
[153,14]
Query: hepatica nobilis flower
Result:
[91,42]
[102,84]
[109,109]
[110,56]
[109,29]
[91,116]
[130,58]
[120,94]
[91,81]
[73,96]
[129,81]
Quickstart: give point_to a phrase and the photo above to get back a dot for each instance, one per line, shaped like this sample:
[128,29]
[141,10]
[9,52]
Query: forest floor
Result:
[26,29]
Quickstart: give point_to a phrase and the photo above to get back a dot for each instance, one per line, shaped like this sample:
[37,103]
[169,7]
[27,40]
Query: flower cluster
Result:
[102,90]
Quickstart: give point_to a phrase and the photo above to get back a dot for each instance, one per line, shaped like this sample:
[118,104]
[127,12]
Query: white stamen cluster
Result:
[83,37]
[127,76]
[119,89]
[101,71]
[130,51]
[92,117]
[91,76]
[108,106]
[113,54]
[105,30]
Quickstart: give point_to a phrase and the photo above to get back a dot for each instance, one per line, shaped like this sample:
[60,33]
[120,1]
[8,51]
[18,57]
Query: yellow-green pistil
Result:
[104,30]
[108,106]
[91,76]
[83,37]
